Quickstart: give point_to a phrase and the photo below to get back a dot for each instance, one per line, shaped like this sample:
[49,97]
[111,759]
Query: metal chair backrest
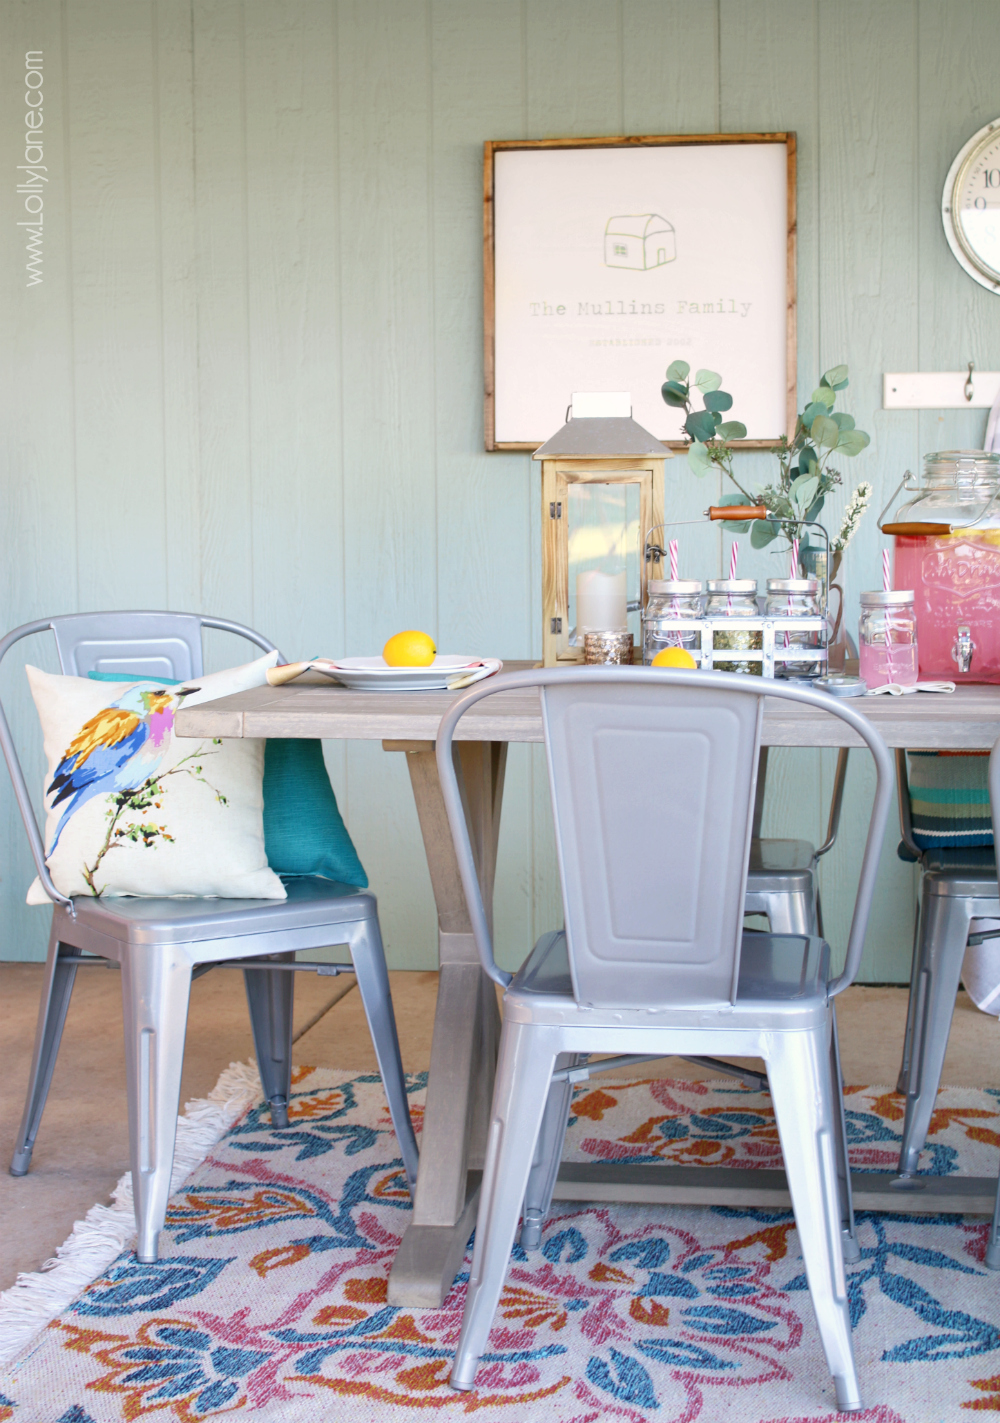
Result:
[652,775]
[151,643]
[652,795]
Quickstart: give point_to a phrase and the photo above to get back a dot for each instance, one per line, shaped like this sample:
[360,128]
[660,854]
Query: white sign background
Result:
[565,321]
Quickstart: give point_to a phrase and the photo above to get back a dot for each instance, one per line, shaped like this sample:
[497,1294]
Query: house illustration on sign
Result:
[639,241]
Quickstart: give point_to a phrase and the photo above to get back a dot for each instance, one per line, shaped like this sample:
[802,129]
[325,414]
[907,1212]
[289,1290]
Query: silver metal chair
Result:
[652,780]
[162,944]
[957,887]
[782,879]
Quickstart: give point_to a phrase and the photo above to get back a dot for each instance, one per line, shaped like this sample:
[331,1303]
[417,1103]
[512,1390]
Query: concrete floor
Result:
[82,1147]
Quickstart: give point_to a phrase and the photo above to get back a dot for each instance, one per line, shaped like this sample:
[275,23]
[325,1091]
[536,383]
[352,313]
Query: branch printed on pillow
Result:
[141,799]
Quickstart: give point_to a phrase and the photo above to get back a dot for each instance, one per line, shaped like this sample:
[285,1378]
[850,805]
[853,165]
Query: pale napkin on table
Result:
[893,689]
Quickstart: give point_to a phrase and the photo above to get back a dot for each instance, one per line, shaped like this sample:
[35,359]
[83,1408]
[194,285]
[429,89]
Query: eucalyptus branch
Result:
[805,474]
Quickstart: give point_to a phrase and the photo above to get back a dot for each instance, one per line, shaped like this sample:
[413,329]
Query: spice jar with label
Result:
[670,599]
[794,598]
[736,599]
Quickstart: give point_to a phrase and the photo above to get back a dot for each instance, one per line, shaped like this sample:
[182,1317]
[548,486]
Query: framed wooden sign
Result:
[607,258]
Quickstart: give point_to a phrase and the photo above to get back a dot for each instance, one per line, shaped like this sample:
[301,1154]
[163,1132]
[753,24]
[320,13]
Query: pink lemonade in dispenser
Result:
[953,568]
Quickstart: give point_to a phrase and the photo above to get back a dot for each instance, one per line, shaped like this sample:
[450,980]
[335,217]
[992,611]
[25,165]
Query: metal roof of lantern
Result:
[602,437]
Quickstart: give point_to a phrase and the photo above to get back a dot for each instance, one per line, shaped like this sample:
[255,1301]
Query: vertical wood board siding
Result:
[250,382]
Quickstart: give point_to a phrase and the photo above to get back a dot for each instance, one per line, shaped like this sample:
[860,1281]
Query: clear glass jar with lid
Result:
[887,639]
[672,598]
[948,551]
[735,599]
[794,598]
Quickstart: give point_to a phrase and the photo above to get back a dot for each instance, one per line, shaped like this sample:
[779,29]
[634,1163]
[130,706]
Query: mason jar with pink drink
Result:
[887,642]
[947,549]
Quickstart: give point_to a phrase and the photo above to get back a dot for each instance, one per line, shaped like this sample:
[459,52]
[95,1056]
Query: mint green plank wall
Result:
[251,379]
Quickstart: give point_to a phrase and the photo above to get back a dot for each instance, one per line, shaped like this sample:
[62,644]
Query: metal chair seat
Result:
[786,972]
[162,944]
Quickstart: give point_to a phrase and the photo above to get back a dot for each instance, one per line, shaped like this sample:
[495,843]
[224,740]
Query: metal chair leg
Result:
[944,930]
[524,1072]
[57,988]
[548,1155]
[271,1000]
[156,986]
[848,1237]
[373,983]
[993,1242]
[803,1092]
[903,1080]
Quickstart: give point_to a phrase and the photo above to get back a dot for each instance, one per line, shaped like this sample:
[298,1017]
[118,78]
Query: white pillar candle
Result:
[600,602]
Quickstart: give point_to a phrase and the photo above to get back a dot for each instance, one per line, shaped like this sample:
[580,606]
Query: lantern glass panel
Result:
[603,533]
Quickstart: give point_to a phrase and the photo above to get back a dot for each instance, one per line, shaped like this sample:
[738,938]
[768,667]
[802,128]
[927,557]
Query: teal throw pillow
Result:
[304,833]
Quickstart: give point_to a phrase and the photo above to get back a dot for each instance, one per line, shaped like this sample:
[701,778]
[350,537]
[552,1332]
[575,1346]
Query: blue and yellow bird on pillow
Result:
[116,750]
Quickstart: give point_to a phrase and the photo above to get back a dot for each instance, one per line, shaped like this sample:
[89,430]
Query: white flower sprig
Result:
[856,506]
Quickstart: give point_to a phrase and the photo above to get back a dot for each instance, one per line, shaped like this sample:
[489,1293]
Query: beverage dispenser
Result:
[947,549]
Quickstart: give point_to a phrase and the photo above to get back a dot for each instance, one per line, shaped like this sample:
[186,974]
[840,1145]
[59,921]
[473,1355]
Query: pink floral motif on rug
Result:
[269,1300]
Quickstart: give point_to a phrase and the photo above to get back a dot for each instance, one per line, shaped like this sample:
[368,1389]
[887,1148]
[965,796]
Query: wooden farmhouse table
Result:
[466,1023]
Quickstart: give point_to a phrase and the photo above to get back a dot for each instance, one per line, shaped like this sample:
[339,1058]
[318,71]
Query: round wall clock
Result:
[970,207]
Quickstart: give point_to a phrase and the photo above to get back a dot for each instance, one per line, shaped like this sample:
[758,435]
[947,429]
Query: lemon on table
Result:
[673,657]
[409,649]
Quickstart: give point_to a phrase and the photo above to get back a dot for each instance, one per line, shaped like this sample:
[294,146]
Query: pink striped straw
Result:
[675,637]
[793,572]
[887,588]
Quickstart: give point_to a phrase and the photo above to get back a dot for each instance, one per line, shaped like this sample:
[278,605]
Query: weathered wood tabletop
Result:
[466,1025]
[966,719]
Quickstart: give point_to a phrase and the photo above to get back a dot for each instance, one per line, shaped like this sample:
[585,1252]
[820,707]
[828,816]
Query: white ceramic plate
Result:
[370,674]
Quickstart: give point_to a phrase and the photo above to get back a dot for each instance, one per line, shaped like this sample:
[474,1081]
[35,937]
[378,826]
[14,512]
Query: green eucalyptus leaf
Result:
[718,400]
[732,430]
[808,458]
[706,381]
[809,414]
[700,425]
[762,533]
[836,377]
[815,508]
[674,393]
[825,395]
[825,432]
[804,490]
[845,422]
[678,370]
[852,442]
[699,460]
[728,499]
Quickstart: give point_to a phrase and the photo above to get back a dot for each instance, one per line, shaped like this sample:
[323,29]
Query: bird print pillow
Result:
[132,809]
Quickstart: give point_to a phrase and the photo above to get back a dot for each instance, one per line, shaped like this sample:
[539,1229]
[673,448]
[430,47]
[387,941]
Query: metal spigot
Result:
[963,649]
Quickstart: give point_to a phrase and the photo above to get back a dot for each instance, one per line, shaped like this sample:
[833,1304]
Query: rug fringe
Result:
[37,1297]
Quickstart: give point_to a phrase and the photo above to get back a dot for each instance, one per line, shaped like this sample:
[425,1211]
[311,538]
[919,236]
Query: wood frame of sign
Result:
[532,440]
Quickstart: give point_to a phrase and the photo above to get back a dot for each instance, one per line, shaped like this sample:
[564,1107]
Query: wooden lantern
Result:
[615,467]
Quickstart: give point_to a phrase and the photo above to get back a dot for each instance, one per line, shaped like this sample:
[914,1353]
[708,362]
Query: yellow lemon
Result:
[674,657]
[410,649]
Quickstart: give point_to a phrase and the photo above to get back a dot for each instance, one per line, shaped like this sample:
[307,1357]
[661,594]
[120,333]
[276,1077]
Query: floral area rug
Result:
[269,1299]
